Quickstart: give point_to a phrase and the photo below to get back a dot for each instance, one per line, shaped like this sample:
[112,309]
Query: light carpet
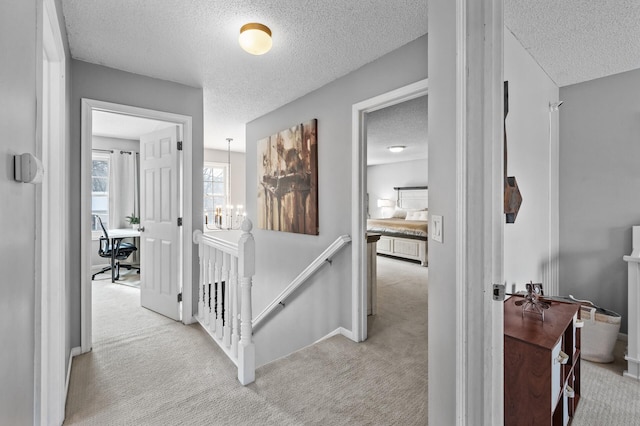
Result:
[147,369]
[608,398]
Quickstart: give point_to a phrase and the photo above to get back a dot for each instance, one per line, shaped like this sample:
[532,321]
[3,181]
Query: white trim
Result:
[340,330]
[186,203]
[51,228]
[479,192]
[72,354]
[461,212]
[359,192]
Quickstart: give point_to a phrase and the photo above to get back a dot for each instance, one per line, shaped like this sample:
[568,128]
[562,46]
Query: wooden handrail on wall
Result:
[323,258]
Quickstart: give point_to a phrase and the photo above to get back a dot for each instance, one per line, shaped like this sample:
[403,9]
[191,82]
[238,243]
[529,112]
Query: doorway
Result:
[359,195]
[51,229]
[396,225]
[180,198]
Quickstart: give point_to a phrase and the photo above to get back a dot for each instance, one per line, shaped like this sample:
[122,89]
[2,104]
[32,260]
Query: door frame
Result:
[359,195]
[51,229]
[185,206]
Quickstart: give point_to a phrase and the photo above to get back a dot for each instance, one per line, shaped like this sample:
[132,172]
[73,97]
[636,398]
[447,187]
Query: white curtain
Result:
[124,188]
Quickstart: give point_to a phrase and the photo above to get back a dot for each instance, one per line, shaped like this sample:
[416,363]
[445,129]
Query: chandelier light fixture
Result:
[255,38]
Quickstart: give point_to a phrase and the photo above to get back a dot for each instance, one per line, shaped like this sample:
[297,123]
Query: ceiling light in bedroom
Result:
[255,38]
[396,148]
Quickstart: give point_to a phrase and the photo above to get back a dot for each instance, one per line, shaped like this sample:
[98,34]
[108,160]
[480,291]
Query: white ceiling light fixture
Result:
[396,148]
[255,38]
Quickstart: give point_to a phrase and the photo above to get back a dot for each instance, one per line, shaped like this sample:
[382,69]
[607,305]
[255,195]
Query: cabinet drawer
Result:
[384,244]
[409,248]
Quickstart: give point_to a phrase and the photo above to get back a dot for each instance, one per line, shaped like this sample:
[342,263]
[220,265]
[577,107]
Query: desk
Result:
[116,236]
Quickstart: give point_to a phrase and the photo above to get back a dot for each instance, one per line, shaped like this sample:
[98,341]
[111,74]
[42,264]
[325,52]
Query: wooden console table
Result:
[541,364]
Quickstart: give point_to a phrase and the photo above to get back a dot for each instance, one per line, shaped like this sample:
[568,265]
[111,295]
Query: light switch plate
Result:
[436,228]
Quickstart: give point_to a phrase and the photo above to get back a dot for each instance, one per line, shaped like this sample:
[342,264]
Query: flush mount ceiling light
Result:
[396,148]
[255,38]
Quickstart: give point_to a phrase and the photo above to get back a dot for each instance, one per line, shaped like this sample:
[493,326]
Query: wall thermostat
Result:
[27,168]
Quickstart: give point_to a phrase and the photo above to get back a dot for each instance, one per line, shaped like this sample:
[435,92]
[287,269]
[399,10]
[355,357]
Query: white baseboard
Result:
[340,330]
[624,337]
[74,352]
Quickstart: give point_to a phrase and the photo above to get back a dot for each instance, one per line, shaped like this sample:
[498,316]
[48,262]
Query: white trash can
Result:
[600,332]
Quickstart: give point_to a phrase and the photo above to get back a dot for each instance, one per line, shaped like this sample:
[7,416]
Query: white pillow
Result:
[417,215]
[399,213]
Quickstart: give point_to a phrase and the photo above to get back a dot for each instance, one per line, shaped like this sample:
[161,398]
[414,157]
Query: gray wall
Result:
[20,76]
[18,73]
[324,302]
[531,243]
[382,178]
[599,187]
[111,85]
[442,201]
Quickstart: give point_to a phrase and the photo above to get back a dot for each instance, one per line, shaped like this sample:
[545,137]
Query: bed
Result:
[405,234]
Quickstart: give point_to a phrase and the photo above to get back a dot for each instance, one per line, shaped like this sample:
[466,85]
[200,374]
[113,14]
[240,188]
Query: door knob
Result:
[141,229]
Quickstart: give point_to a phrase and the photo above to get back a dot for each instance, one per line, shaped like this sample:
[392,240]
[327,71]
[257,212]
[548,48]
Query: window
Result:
[215,188]
[100,191]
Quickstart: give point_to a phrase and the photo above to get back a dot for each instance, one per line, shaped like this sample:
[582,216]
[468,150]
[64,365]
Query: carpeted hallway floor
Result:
[148,370]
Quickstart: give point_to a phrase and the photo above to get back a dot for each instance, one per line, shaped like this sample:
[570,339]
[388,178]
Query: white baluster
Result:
[198,240]
[234,311]
[219,279]
[208,286]
[226,331]
[246,269]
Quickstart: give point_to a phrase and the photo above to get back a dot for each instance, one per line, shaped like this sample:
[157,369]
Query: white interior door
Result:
[159,211]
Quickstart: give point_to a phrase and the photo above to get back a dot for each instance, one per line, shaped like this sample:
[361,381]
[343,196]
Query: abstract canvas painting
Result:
[288,180]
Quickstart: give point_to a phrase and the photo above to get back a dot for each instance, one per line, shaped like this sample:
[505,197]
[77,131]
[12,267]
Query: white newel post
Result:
[246,270]
[633,319]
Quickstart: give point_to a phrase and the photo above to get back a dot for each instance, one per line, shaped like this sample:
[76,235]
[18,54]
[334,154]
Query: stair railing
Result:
[224,296]
[324,258]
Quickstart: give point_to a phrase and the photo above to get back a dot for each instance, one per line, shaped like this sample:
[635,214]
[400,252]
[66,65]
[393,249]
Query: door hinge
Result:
[179,297]
[179,145]
[498,292]
[179,221]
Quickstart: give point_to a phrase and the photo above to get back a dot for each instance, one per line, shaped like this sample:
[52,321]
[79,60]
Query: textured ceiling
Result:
[195,42]
[401,124]
[315,42]
[577,40]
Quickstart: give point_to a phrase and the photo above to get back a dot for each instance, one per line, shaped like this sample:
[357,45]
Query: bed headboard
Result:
[412,197]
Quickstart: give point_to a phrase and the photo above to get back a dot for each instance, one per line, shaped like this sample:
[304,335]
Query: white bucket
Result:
[599,333]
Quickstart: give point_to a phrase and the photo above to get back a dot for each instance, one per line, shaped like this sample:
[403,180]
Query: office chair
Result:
[123,250]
